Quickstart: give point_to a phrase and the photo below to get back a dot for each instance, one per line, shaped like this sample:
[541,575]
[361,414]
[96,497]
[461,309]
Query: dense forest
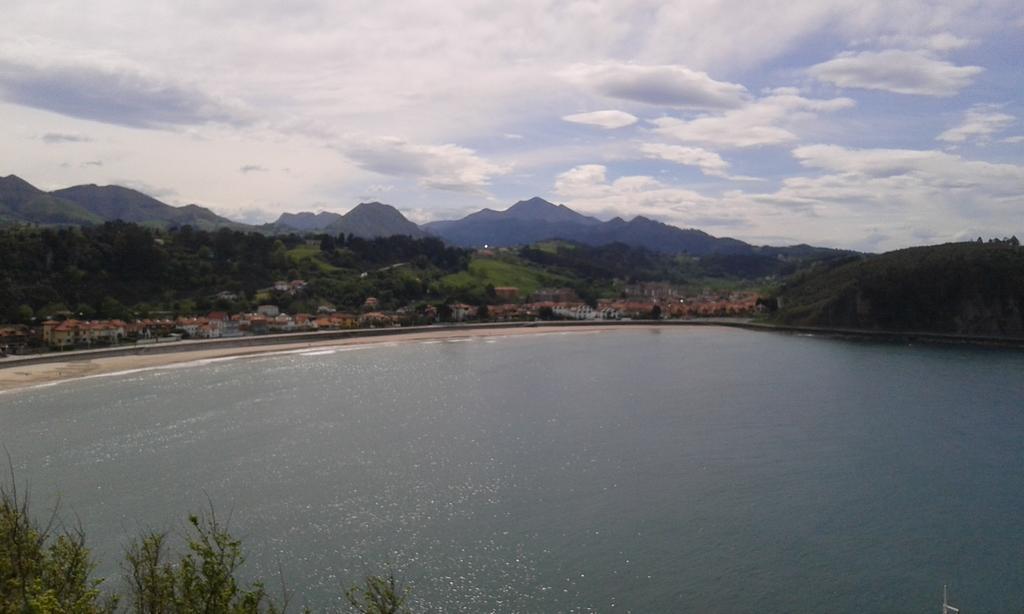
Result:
[620,261]
[122,270]
[968,288]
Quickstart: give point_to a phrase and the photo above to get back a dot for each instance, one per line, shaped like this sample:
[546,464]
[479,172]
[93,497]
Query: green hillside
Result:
[120,203]
[966,288]
[21,202]
[498,272]
[124,270]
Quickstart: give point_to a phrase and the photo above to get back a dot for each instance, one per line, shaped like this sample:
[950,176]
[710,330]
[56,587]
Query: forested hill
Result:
[963,288]
[118,270]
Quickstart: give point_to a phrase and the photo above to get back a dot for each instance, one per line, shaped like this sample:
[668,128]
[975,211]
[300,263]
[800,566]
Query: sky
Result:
[864,124]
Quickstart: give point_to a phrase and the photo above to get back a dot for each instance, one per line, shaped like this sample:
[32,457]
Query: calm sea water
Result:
[674,470]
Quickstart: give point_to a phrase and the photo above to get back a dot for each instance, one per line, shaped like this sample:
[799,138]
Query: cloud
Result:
[93,163]
[980,122]
[945,41]
[896,70]
[466,73]
[940,42]
[919,188]
[1013,139]
[443,167]
[252,168]
[709,162]
[609,119]
[56,138]
[153,191]
[936,169]
[253,215]
[663,85]
[913,195]
[110,91]
[586,188]
[766,121]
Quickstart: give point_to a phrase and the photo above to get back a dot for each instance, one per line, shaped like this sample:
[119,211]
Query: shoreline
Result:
[36,370]
[42,370]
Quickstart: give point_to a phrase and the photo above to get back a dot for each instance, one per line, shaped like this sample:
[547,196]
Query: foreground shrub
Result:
[43,569]
[48,570]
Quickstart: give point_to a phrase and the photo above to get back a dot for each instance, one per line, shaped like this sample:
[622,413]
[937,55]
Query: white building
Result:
[578,311]
[270,311]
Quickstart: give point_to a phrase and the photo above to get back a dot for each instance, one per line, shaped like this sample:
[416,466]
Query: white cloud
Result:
[945,41]
[462,72]
[909,191]
[609,119]
[254,215]
[586,188]
[934,170]
[1013,139]
[443,167]
[770,120]
[863,198]
[742,34]
[980,122]
[940,42]
[896,70]
[912,193]
[663,85]
[709,162]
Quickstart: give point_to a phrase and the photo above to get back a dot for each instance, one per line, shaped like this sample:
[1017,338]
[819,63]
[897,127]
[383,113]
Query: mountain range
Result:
[533,220]
[21,202]
[366,220]
[525,222]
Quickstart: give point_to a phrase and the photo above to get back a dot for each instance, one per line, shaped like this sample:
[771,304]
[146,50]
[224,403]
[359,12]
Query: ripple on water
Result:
[567,472]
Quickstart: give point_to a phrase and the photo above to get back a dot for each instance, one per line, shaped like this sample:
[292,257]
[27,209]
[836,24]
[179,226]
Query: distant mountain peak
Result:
[115,202]
[375,219]
[12,183]
[373,204]
[306,221]
[533,203]
[536,219]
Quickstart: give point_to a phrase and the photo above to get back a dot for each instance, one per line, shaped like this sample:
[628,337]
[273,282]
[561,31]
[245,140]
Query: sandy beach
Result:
[16,376]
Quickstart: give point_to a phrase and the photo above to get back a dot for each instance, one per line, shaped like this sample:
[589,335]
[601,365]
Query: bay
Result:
[641,470]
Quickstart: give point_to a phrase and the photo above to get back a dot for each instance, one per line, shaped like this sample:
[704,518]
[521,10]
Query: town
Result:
[653,300]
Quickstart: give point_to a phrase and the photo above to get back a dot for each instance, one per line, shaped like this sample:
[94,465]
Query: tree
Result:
[279,256]
[42,570]
[25,314]
[328,244]
[85,311]
[111,308]
[483,312]
[202,580]
[378,595]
